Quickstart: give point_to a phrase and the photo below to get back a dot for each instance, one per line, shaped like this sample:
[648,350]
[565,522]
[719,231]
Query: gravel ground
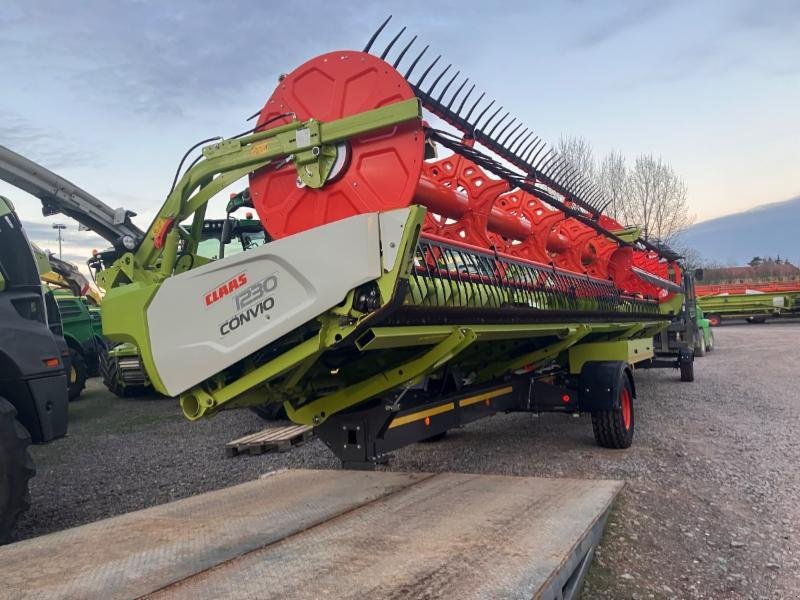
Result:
[710,509]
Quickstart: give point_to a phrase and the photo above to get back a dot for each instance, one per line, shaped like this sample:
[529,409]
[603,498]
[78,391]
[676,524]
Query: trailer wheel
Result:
[714,320]
[700,348]
[77,374]
[614,428]
[16,468]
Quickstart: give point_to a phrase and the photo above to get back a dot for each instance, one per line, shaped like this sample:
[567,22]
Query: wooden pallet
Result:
[271,439]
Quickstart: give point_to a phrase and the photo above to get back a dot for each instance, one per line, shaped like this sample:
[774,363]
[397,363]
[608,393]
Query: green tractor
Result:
[78,303]
[84,336]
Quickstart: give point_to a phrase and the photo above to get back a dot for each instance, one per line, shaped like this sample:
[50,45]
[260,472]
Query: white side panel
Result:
[208,318]
[392,223]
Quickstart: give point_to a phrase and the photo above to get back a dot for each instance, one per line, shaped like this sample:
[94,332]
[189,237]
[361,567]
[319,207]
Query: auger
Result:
[417,278]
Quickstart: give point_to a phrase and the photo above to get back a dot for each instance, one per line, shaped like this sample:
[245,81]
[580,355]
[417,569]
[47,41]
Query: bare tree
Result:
[612,177]
[656,199]
[691,258]
[578,153]
[649,195]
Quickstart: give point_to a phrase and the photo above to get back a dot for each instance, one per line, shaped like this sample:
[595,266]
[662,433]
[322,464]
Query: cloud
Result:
[629,18]
[154,58]
[36,143]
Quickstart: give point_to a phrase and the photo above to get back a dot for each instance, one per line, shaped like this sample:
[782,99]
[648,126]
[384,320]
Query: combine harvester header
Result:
[404,292]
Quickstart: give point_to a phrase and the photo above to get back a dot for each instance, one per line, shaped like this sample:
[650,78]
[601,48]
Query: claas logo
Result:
[227,288]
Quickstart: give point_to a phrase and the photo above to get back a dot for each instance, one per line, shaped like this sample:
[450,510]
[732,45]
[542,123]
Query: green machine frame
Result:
[408,336]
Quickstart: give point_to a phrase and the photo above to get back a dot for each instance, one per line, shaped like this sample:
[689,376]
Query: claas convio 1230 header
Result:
[419,276]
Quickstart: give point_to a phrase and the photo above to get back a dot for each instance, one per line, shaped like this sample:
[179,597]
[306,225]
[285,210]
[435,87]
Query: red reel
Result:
[465,177]
[376,172]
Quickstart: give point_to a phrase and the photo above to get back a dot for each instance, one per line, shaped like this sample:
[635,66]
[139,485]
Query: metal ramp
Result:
[337,534]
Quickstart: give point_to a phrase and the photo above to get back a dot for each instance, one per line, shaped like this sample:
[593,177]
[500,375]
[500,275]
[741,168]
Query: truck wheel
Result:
[109,371]
[710,345]
[614,428]
[687,370]
[16,468]
[700,348]
[714,320]
[273,411]
[77,374]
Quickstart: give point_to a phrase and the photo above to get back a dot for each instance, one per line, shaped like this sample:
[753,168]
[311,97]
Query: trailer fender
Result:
[600,384]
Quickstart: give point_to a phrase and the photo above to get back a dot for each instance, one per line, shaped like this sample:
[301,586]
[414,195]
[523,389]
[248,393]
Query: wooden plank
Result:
[271,439]
[338,534]
[131,555]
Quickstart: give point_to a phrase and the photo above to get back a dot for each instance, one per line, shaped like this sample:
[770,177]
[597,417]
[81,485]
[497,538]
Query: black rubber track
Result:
[109,371]
[16,469]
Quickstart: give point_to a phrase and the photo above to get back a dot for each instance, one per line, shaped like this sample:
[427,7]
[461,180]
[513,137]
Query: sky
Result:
[111,94]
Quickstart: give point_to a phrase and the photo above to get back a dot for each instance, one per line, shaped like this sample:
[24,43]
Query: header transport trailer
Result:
[752,299]
[418,277]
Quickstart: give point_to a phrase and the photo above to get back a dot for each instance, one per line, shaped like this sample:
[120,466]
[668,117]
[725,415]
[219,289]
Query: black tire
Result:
[76,378]
[273,411]
[710,346]
[16,469]
[109,371]
[687,370]
[614,428]
[700,348]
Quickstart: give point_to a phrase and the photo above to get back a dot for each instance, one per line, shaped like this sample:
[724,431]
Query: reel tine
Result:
[469,114]
[489,120]
[389,47]
[458,91]
[438,79]
[496,125]
[428,70]
[546,165]
[593,192]
[400,56]
[588,191]
[579,188]
[504,129]
[416,60]
[573,180]
[447,87]
[480,116]
[519,139]
[510,133]
[377,33]
[561,166]
[566,174]
[534,161]
[526,154]
[525,148]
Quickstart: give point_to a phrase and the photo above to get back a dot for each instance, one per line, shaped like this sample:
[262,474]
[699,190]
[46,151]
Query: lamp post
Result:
[59,227]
